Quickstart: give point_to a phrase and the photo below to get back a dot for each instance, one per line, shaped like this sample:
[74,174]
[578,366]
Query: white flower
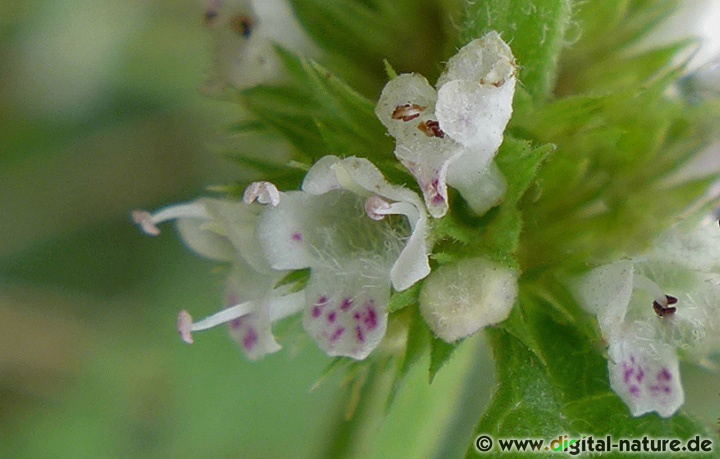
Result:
[652,308]
[460,299]
[451,135]
[245,33]
[225,231]
[335,227]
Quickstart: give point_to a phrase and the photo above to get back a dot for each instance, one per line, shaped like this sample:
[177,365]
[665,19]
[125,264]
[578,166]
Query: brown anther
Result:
[407,112]
[431,129]
[671,299]
[663,311]
[242,25]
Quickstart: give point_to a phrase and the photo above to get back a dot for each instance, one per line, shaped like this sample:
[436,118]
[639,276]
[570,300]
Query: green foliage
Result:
[600,35]
[320,115]
[358,34]
[616,156]
[496,235]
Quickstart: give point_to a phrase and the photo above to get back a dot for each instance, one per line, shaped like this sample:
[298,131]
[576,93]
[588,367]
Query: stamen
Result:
[407,112]
[144,219]
[376,207]
[431,128]
[185,324]
[148,221]
[262,192]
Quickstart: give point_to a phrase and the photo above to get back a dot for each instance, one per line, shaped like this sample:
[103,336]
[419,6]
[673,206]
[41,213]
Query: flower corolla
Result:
[451,135]
[655,308]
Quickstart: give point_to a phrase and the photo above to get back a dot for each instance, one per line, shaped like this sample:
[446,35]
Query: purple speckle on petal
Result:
[359,334]
[250,339]
[627,372]
[236,323]
[296,237]
[321,301]
[639,375]
[371,317]
[346,304]
[664,375]
[634,390]
[356,316]
[316,312]
[332,316]
[435,189]
[337,334]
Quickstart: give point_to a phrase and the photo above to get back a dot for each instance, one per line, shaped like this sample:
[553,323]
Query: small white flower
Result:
[225,231]
[335,228]
[654,307]
[460,299]
[244,33]
[451,135]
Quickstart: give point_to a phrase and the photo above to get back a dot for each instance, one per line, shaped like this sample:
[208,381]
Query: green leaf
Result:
[418,339]
[401,300]
[298,279]
[496,234]
[535,30]
[440,353]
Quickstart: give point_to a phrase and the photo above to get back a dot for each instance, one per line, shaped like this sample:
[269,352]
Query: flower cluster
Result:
[654,309]
[358,236]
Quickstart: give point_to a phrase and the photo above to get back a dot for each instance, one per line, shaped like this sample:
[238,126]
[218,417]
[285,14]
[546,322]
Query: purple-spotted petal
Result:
[345,312]
[645,375]
[253,334]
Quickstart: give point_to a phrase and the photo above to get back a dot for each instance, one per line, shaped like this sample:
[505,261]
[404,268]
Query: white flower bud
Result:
[458,300]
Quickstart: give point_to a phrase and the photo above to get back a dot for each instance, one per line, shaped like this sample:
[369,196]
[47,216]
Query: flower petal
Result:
[475,115]
[203,241]
[237,222]
[606,292]
[482,185]
[644,373]
[487,60]
[345,310]
[363,178]
[285,232]
[404,101]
